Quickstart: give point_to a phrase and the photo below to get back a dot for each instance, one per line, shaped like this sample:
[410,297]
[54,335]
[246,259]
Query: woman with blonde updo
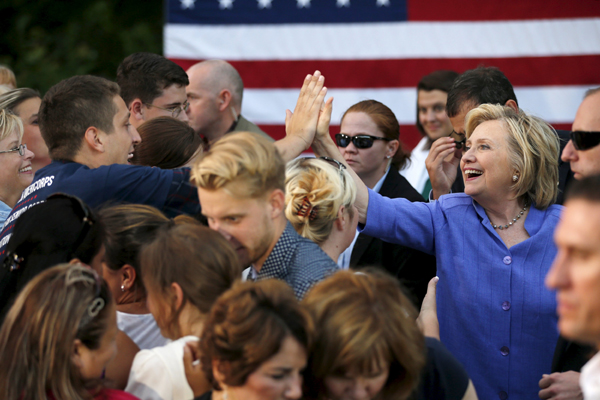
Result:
[319,199]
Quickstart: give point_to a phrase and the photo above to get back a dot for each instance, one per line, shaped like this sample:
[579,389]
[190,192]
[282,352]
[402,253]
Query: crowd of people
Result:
[155,244]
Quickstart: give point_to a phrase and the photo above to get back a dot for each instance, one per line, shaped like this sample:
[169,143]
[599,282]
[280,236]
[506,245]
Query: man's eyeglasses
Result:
[459,139]
[585,140]
[359,141]
[20,148]
[175,111]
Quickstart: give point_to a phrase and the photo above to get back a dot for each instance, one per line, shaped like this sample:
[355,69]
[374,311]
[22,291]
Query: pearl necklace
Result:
[501,227]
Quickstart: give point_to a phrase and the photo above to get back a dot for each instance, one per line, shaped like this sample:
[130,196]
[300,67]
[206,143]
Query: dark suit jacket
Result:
[413,268]
[564,171]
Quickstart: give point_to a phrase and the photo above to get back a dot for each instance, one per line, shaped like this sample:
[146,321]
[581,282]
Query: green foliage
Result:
[45,41]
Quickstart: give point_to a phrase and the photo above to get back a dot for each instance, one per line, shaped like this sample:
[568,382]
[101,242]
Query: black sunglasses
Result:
[359,141]
[459,139]
[585,140]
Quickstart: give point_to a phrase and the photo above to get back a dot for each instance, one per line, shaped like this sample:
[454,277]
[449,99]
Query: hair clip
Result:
[97,305]
[307,210]
[81,274]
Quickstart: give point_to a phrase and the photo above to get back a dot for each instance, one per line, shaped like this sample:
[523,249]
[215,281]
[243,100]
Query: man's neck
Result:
[279,226]
[220,129]
[86,160]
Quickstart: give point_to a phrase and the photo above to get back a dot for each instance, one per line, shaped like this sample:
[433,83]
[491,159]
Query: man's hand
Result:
[561,386]
[301,125]
[428,320]
[442,173]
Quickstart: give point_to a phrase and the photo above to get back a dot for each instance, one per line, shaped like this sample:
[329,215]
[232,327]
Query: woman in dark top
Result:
[367,345]
[369,141]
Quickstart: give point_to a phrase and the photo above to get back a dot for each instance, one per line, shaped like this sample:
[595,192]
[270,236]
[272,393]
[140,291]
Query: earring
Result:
[515,178]
[388,156]
[122,288]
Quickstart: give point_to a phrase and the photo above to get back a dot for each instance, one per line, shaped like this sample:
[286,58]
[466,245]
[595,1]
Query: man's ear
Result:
[224,100]
[512,104]
[276,200]
[94,139]
[136,109]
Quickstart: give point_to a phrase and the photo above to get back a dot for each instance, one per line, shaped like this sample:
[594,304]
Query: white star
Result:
[343,3]
[381,3]
[264,3]
[303,3]
[223,4]
[187,4]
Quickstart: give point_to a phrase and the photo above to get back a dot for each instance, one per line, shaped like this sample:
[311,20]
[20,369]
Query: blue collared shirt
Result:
[296,260]
[495,314]
[4,211]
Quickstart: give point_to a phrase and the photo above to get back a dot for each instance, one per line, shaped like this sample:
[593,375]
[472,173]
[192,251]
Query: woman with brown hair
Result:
[128,228]
[58,338]
[166,143]
[367,344]
[184,270]
[255,343]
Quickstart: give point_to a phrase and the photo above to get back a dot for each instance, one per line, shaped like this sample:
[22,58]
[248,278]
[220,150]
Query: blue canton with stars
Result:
[228,12]
[298,261]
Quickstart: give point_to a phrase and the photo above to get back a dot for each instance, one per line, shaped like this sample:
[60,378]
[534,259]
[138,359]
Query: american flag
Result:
[380,49]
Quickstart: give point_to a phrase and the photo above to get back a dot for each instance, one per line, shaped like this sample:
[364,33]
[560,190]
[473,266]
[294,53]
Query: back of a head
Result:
[60,305]
[144,76]
[244,164]
[7,77]
[315,191]
[128,228]
[198,259]
[166,143]
[533,150]
[53,232]
[363,322]
[482,85]
[12,99]
[221,75]
[247,326]
[70,107]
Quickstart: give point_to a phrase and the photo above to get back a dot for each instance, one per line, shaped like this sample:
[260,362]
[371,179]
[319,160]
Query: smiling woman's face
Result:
[28,112]
[15,170]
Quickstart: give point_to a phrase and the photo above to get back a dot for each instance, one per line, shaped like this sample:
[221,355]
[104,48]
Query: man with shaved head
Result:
[215,95]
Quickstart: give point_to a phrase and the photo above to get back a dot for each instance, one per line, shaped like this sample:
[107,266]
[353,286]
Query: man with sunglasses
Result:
[582,151]
[151,87]
[215,95]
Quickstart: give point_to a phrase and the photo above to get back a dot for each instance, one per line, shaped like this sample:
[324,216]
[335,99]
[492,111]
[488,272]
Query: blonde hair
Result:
[363,323]
[9,123]
[533,150]
[7,77]
[58,306]
[325,187]
[243,164]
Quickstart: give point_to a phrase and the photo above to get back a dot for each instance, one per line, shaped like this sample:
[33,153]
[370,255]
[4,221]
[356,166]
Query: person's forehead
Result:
[580,224]
[587,117]
[430,97]
[359,122]
[221,202]
[171,95]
